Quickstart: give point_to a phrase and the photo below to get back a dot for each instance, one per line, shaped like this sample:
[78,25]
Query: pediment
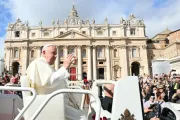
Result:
[72,34]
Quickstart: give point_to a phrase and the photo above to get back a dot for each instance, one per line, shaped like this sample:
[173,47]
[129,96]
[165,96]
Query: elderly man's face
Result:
[50,54]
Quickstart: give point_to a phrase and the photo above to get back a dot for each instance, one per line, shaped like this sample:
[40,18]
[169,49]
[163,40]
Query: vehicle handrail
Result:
[18,117]
[98,109]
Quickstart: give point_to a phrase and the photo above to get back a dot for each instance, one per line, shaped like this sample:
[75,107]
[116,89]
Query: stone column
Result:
[94,63]
[65,51]
[127,32]
[145,59]
[79,63]
[108,63]
[57,59]
[89,75]
[124,60]
[130,70]
[25,60]
[8,56]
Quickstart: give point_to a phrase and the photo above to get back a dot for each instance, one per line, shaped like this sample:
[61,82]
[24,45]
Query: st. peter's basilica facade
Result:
[104,51]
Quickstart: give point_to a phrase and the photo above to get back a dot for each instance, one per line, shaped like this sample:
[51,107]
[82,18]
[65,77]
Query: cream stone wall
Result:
[127,36]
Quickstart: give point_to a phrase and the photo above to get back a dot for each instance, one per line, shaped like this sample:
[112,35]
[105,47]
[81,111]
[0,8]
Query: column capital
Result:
[89,46]
[33,47]
[94,46]
[66,46]
[25,47]
[144,46]
[107,46]
[8,48]
[79,46]
[122,46]
[38,47]
[114,46]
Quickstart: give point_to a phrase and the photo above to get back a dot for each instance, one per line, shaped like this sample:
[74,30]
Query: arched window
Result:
[132,31]
[84,53]
[133,52]
[32,53]
[61,53]
[100,52]
[115,53]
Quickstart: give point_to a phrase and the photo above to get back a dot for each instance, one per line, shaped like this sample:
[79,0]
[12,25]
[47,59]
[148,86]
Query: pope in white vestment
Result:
[45,80]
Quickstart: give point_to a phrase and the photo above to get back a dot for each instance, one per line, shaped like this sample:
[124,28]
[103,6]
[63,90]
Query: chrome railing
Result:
[18,117]
[98,103]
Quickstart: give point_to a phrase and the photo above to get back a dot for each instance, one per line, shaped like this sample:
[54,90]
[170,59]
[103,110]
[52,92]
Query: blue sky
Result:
[157,14]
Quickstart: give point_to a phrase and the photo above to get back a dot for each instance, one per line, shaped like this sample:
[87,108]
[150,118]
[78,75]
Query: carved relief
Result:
[72,34]
[144,46]
[40,23]
[127,115]
[115,46]
[93,21]
[18,25]
[106,21]
[87,22]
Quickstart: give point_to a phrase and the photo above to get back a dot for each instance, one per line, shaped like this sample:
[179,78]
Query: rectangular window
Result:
[100,62]
[17,34]
[33,34]
[99,32]
[61,53]
[61,62]
[84,53]
[16,53]
[84,32]
[61,33]
[46,33]
[114,32]
[84,63]
[134,52]
[132,31]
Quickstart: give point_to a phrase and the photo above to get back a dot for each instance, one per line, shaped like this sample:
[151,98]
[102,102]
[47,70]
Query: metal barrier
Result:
[11,85]
[98,109]
[18,117]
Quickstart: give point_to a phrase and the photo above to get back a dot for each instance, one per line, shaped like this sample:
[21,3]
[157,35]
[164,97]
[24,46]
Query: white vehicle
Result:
[45,107]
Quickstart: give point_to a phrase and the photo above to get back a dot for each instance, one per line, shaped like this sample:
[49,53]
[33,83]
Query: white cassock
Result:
[45,80]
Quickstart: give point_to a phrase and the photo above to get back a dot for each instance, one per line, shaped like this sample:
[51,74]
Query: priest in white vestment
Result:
[45,80]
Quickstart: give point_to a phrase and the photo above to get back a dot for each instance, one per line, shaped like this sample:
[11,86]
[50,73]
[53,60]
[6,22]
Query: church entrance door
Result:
[15,68]
[135,68]
[101,73]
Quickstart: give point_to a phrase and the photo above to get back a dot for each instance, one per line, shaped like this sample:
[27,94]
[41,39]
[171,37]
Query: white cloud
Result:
[156,18]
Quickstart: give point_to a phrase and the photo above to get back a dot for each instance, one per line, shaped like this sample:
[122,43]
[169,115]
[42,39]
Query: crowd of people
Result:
[155,92]
[9,78]
[44,79]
